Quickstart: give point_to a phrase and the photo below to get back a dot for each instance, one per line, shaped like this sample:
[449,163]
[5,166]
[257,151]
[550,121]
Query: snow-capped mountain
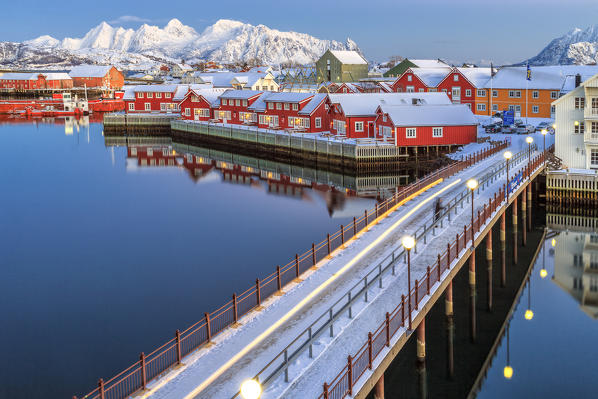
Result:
[226,41]
[575,47]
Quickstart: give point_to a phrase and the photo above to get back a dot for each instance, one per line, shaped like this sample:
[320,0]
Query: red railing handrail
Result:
[221,312]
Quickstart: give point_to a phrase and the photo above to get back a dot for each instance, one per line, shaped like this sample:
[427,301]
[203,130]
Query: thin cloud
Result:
[123,19]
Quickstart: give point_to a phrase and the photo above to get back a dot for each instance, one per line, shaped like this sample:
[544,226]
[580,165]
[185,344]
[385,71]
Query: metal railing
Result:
[148,367]
[342,385]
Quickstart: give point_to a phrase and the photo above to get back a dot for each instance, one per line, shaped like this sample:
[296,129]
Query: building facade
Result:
[35,81]
[97,76]
[341,66]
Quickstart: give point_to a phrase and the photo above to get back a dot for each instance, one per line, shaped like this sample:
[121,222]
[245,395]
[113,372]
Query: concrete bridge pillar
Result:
[529,206]
[489,262]
[472,296]
[450,330]
[503,249]
[379,388]
[421,359]
[514,206]
[524,215]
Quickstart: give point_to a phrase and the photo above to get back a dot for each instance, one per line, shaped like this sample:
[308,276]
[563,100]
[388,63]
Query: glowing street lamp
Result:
[251,389]
[543,272]
[529,140]
[472,184]
[508,155]
[408,243]
[508,370]
[528,313]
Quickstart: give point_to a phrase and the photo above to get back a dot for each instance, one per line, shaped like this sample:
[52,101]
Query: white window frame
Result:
[270,105]
[295,107]
[554,95]
[494,93]
[359,126]
[187,111]
[481,93]
[455,78]
[409,78]
[237,103]
[148,106]
[139,95]
[166,95]
[149,95]
[278,106]
[131,106]
[535,94]
[244,103]
[158,95]
[410,89]
[318,123]
[481,107]
[467,92]
[286,106]
[411,133]
[535,109]
[437,132]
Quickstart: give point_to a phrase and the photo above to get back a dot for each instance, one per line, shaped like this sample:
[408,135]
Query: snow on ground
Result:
[232,342]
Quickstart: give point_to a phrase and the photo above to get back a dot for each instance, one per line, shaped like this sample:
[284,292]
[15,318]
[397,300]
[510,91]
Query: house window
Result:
[149,95]
[535,94]
[237,102]
[468,105]
[264,88]
[554,95]
[148,106]
[421,90]
[187,111]
[410,89]
[580,127]
[318,123]
[481,93]
[286,106]
[295,107]
[481,107]
[436,132]
[139,95]
[594,157]
[204,113]
[244,103]
[580,102]
[494,107]
[163,107]
[444,90]
[410,133]
[409,78]
[158,95]
[270,105]
[468,93]
[359,126]
[515,93]
[432,90]
[278,106]
[494,93]
[455,78]
[552,109]
[166,95]
[131,106]
[594,128]
[384,118]
[535,109]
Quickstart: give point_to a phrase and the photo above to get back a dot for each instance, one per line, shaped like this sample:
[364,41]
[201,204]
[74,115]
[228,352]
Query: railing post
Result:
[438,262]
[376,210]
[258,293]
[416,293]
[465,234]
[235,315]
[278,279]
[101,389]
[350,374]
[313,254]
[325,390]
[208,327]
[387,329]
[296,265]
[143,372]
[366,217]
[457,246]
[354,227]
[328,242]
[177,335]
[428,280]
[342,235]
[402,310]
[370,357]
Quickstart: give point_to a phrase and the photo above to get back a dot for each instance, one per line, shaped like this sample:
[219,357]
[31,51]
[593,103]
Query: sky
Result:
[503,31]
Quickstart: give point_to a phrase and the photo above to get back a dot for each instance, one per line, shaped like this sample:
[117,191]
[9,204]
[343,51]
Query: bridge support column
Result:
[503,249]
[524,216]
[379,388]
[472,296]
[529,206]
[515,243]
[421,359]
[489,262]
[450,330]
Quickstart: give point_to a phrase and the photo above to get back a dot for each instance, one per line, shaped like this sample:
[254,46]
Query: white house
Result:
[263,81]
[576,120]
[178,70]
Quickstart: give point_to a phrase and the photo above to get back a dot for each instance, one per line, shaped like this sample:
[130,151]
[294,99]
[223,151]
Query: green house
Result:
[340,66]
[402,66]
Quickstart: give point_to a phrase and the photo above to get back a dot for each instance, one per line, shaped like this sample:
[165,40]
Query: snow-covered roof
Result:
[157,88]
[386,87]
[289,97]
[477,76]
[430,76]
[313,103]
[543,78]
[90,71]
[249,78]
[180,92]
[430,115]
[185,67]
[241,94]
[211,95]
[260,103]
[366,103]
[430,63]
[34,75]
[225,79]
[129,93]
[348,57]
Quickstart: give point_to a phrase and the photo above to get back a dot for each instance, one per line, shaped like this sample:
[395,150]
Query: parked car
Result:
[508,128]
[543,125]
[494,128]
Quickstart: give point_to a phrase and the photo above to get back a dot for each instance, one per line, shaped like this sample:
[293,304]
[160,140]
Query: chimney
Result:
[577,80]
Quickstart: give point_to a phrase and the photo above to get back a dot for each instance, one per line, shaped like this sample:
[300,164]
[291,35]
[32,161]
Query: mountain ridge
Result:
[577,46]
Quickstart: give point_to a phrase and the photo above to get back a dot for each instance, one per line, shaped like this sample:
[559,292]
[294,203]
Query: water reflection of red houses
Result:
[152,156]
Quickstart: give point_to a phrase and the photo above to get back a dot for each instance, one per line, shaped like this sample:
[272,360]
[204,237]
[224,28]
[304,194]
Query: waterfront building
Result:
[263,81]
[101,76]
[199,104]
[420,80]
[178,70]
[35,81]
[341,66]
[402,66]
[163,98]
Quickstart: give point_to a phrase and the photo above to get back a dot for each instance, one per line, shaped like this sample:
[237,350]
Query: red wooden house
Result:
[419,80]
[104,76]
[426,125]
[306,112]
[35,81]
[235,106]
[199,104]
[462,84]
[154,98]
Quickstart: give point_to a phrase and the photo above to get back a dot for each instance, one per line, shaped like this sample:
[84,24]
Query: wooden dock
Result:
[569,187]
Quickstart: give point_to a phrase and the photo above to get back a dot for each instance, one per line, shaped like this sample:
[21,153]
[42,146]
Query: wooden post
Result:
[143,371]
[350,374]
[313,254]
[387,329]
[402,310]
[278,279]
[328,242]
[177,336]
[208,327]
[416,293]
[428,280]
[370,354]
[354,227]
[235,315]
[258,293]
[342,235]
[366,218]
[101,389]
[325,390]
[296,265]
